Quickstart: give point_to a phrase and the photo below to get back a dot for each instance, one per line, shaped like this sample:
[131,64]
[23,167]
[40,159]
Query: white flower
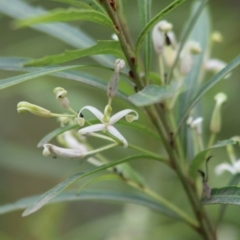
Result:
[158,35]
[191,48]
[197,125]
[50,149]
[215,66]
[232,168]
[107,122]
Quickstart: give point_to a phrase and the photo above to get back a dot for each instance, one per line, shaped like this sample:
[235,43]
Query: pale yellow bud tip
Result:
[220,98]
[164,26]
[217,37]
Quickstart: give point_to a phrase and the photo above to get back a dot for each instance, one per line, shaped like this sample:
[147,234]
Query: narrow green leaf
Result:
[200,157]
[16,64]
[102,178]
[102,47]
[97,195]
[189,28]
[52,193]
[200,33]
[8,82]
[226,195]
[207,86]
[152,94]
[145,15]
[55,133]
[88,4]
[155,20]
[65,15]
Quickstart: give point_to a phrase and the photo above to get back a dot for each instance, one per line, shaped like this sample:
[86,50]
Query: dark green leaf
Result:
[226,195]
[152,94]
[109,196]
[8,82]
[234,181]
[72,35]
[155,20]
[65,15]
[52,193]
[102,47]
[200,157]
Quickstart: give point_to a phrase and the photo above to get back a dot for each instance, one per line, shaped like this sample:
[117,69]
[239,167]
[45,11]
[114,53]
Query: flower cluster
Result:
[76,147]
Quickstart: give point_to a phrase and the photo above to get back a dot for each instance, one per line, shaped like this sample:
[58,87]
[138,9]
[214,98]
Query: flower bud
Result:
[61,152]
[215,125]
[186,56]
[217,37]
[197,125]
[170,50]
[61,94]
[22,107]
[164,26]
[113,82]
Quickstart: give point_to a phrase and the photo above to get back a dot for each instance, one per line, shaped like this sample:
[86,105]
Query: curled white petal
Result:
[94,111]
[63,152]
[225,167]
[118,135]
[93,128]
[71,142]
[122,114]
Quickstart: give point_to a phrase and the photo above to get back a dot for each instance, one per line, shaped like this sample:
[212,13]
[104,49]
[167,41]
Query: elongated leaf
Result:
[207,86]
[65,15]
[55,133]
[145,14]
[226,195]
[200,157]
[72,35]
[8,82]
[188,30]
[86,195]
[52,193]
[200,33]
[151,24]
[152,94]
[89,4]
[102,47]
[16,64]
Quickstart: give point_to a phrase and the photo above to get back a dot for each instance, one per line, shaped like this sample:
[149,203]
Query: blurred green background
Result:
[25,172]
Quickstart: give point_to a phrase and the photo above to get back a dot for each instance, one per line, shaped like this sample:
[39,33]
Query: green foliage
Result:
[102,47]
[66,15]
[163,100]
[226,195]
